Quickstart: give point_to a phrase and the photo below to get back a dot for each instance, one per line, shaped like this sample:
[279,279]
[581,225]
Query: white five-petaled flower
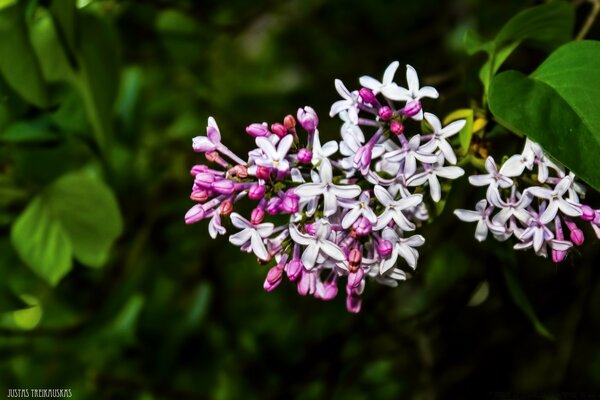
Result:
[414,92]
[393,209]
[412,152]
[327,189]
[274,157]
[493,179]
[318,247]
[349,102]
[251,236]
[404,248]
[441,134]
[319,152]
[385,85]
[514,208]
[431,174]
[537,235]
[482,217]
[358,209]
[556,201]
[211,141]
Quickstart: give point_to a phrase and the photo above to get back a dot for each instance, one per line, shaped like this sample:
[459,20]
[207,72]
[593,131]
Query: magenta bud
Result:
[412,108]
[310,229]
[355,278]
[362,158]
[257,216]
[224,186]
[307,117]
[273,278]
[196,169]
[204,180]
[273,206]
[353,303]
[279,129]
[362,226]
[306,284]
[385,113]
[263,173]
[577,236]
[290,202]
[397,128]
[201,195]
[257,192]
[293,269]
[384,247]
[558,255]
[305,155]
[257,130]
[367,95]
[588,213]
[195,214]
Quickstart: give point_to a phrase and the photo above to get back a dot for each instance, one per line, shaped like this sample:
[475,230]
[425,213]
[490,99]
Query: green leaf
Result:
[6,3]
[49,49]
[10,302]
[18,63]
[88,211]
[77,216]
[64,13]
[41,242]
[33,131]
[520,298]
[557,106]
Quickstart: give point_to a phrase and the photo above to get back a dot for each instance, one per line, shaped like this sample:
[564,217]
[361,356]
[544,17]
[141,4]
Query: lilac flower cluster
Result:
[350,217]
[531,205]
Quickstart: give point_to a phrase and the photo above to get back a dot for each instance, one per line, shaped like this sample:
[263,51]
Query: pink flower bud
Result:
[289,122]
[577,236]
[588,213]
[212,156]
[240,171]
[307,283]
[362,158]
[354,259]
[305,155]
[385,113]
[367,95]
[263,173]
[412,108]
[226,207]
[307,117]
[290,201]
[273,278]
[204,180]
[196,169]
[362,226]
[273,206]
[257,192]
[257,216]
[279,129]
[328,289]
[397,128]
[195,214]
[224,186]
[310,229]
[384,247]
[257,130]
[558,255]
[293,269]
[353,303]
[355,278]
[201,195]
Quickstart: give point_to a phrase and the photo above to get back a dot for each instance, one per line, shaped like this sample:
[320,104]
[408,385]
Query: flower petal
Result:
[309,256]
[240,238]
[258,247]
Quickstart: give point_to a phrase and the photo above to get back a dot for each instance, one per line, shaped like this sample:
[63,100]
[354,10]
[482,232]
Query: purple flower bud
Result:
[224,186]
[362,226]
[307,117]
[257,216]
[279,129]
[577,236]
[196,169]
[307,283]
[273,278]
[353,303]
[201,195]
[226,207]
[274,206]
[257,130]
[204,180]
[293,269]
[310,229]
[329,289]
[397,128]
[257,192]
[385,113]
[558,255]
[412,108]
[290,201]
[367,95]
[263,173]
[384,247]
[305,155]
[587,213]
[195,214]
[355,278]
[362,158]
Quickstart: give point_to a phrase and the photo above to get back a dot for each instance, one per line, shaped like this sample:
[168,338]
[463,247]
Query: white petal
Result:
[568,208]
[409,255]
[345,191]
[383,220]
[265,145]
[265,229]
[480,180]
[310,189]
[329,148]
[332,250]
[434,188]
[369,214]
[390,71]
[512,167]
[239,222]
[450,172]
[428,91]
[397,93]
[341,89]
[370,83]
[384,197]
[300,238]
[434,121]
[540,192]
[481,231]
[350,217]
[309,256]
[447,151]
[258,247]
[467,215]
[329,203]
[284,146]
[240,238]
[325,172]
[412,79]
[453,128]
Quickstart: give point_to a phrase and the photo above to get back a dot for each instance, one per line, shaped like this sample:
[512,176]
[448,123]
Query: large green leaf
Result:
[557,106]
[76,216]
[18,63]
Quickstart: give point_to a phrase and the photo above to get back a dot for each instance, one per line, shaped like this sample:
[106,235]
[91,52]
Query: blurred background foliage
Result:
[104,289]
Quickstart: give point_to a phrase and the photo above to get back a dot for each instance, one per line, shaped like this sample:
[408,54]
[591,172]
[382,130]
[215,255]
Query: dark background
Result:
[177,315]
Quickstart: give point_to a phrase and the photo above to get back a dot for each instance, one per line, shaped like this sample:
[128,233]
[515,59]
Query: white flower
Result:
[385,85]
[414,92]
[349,104]
[493,179]
[404,248]
[211,141]
[327,189]
[514,208]
[441,134]
[251,236]
[482,217]
[318,247]
[412,152]
[214,226]
[556,201]
[274,158]
[321,153]
[358,209]
[431,174]
[393,209]
[537,235]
